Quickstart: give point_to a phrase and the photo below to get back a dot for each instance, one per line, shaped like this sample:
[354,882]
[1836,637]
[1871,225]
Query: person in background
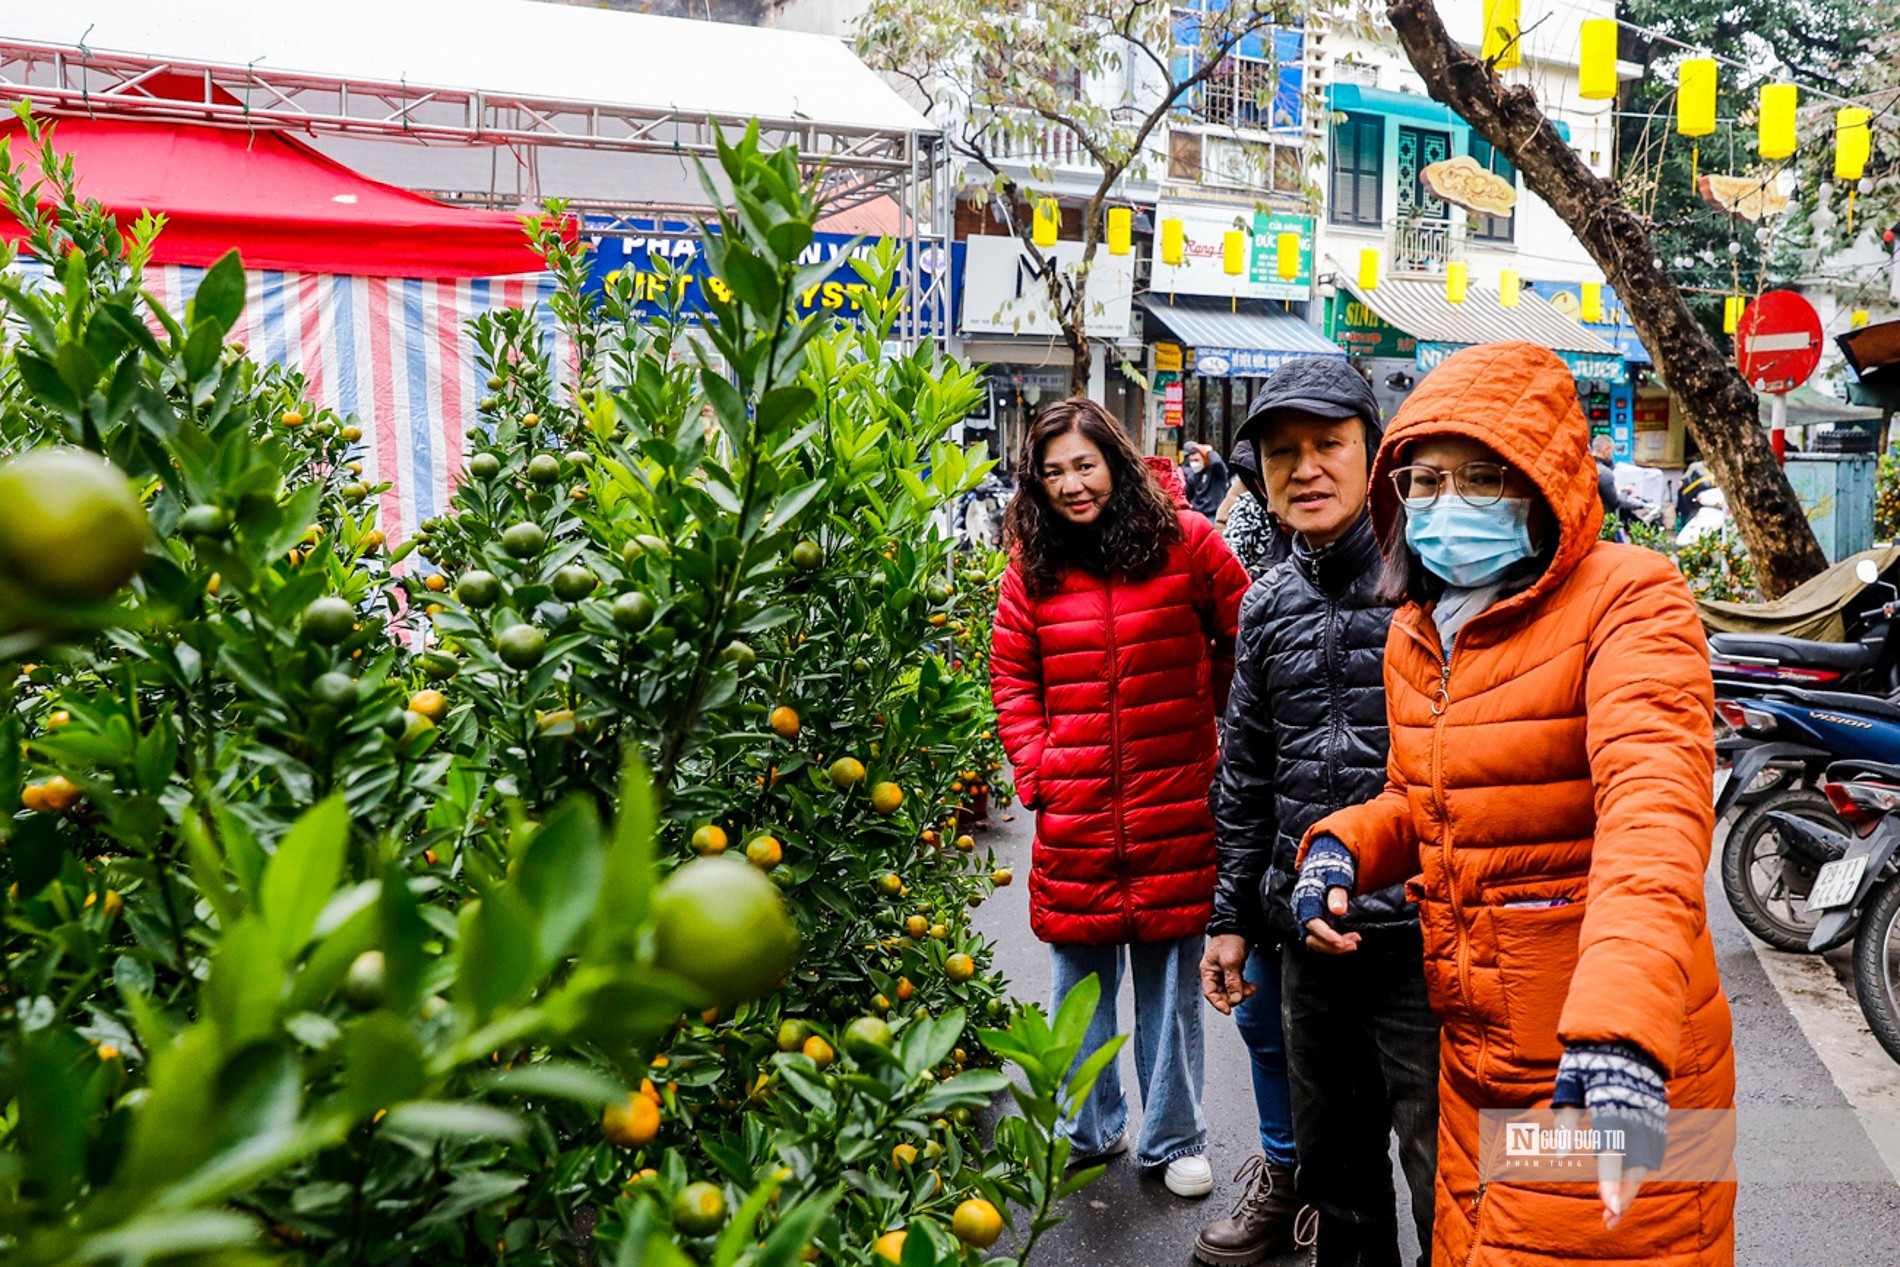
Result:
[1345,1052]
[1206,479]
[1113,648]
[1695,481]
[1255,536]
[1547,794]
[1603,449]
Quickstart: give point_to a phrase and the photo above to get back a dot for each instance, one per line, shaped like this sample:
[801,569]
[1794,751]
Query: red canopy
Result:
[279,202]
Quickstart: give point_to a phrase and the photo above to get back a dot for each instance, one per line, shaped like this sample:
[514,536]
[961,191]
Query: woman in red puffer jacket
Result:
[1114,645]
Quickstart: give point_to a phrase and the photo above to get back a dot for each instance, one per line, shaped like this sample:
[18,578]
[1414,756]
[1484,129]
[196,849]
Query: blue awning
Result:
[1407,105]
[1247,343]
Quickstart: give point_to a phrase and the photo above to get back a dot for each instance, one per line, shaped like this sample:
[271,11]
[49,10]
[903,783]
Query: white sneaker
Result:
[1189,1177]
[1115,1149]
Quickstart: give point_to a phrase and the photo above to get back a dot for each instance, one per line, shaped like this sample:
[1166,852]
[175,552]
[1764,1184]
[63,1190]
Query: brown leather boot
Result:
[1263,1222]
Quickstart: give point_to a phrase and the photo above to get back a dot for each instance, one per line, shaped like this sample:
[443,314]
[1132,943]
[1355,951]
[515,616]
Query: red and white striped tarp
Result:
[395,353]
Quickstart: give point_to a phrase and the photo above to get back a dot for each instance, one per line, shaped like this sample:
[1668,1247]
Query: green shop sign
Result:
[1611,369]
[1357,328]
[1263,264]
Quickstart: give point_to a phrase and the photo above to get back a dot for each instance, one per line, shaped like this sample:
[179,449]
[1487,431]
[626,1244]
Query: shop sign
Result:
[1358,329]
[1167,358]
[1002,293]
[1173,403]
[1610,369]
[1203,271]
[1615,329]
[1241,362]
[667,260]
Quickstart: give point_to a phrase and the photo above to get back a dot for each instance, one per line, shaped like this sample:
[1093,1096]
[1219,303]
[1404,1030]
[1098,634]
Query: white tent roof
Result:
[520,47]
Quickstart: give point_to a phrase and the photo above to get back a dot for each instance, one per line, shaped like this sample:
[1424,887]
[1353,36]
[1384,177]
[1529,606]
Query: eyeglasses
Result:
[1477,483]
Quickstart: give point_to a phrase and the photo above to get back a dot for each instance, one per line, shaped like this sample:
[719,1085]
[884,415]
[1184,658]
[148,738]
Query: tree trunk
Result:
[1720,406]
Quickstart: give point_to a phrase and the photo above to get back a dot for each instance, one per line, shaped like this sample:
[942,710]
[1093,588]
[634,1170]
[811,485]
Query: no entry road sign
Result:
[1778,342]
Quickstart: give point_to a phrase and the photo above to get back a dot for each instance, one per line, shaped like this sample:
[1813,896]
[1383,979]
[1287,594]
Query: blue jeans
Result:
[1168,1050]
[1261,1028]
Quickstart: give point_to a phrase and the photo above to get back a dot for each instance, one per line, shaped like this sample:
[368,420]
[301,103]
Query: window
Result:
[1492,228]
[1358,169]
[1240,93]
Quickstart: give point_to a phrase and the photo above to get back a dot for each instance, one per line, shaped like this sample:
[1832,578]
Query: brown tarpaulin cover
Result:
[1812,609]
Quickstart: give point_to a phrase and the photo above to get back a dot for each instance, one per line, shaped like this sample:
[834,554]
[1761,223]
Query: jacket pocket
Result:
[1537,956]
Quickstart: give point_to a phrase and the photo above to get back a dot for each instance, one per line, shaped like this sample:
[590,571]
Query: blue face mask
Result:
[1468,545]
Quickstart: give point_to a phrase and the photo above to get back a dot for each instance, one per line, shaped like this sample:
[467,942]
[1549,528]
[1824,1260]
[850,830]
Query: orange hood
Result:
[1521,400]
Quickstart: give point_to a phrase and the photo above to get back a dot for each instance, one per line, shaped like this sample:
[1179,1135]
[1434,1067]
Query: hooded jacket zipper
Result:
[1115,762]
[1477,1215]
[1441,708]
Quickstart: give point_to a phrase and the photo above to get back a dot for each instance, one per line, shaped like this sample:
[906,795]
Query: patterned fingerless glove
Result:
[1624,1091]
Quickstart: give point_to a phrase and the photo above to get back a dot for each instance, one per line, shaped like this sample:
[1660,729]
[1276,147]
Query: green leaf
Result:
[497,952]
[302,874]
[165,1234]
[403,934]
[51,1135]
[796,1229]
[627,886]
[448,1120]
[1082,1080]
[245,985]
[472,1191]
[556,1080]
[559,875]
[382,1062]
[1072,1018]
[220,295]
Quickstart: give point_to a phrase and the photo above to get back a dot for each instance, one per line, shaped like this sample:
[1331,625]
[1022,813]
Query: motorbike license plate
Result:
[1722,776]
[1836,883]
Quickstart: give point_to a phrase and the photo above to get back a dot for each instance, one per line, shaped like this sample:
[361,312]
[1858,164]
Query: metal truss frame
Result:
[853,164]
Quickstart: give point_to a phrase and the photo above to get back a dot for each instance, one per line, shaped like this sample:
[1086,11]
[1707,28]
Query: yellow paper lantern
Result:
[1173,243]
[1853,142]
[1287,256]
[1233,252]
[1369,268]
[1501,43]
[1774,126]
[1597,75]
[1509,284]
[1048,223]
[1593,301]
[1121,230]
[1860,318]
[1732,308]
[1695,96]
[1456,279]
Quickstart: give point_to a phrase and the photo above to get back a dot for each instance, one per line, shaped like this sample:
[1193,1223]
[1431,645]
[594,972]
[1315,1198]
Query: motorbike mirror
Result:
[1867,571]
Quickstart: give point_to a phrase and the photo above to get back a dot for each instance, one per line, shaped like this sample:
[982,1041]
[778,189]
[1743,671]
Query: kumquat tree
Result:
[586,879]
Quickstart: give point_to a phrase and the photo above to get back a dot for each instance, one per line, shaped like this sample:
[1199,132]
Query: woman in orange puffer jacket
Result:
[1549,795]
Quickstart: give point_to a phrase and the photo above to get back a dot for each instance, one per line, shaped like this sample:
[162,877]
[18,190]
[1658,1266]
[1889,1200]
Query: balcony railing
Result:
[1038,141]
[1422,247]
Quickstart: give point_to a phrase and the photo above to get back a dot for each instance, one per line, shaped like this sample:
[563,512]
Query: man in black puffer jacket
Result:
[1346,1047]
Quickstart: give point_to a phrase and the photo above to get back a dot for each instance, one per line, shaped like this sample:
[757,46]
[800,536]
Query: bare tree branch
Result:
[1721,408]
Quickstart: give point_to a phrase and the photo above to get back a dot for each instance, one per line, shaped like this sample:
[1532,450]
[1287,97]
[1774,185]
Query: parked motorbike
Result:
[1768,870]
[1711,516]
[1867,662]
[1861,878]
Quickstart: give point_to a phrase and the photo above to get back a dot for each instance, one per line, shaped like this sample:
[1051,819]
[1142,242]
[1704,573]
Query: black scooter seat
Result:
[1838,702]
[1842,656]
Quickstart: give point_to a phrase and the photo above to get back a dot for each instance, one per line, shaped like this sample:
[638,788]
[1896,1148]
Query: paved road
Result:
[1819,1149]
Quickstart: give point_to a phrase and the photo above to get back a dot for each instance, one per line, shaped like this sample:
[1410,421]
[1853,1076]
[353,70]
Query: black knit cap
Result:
[1325,386]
